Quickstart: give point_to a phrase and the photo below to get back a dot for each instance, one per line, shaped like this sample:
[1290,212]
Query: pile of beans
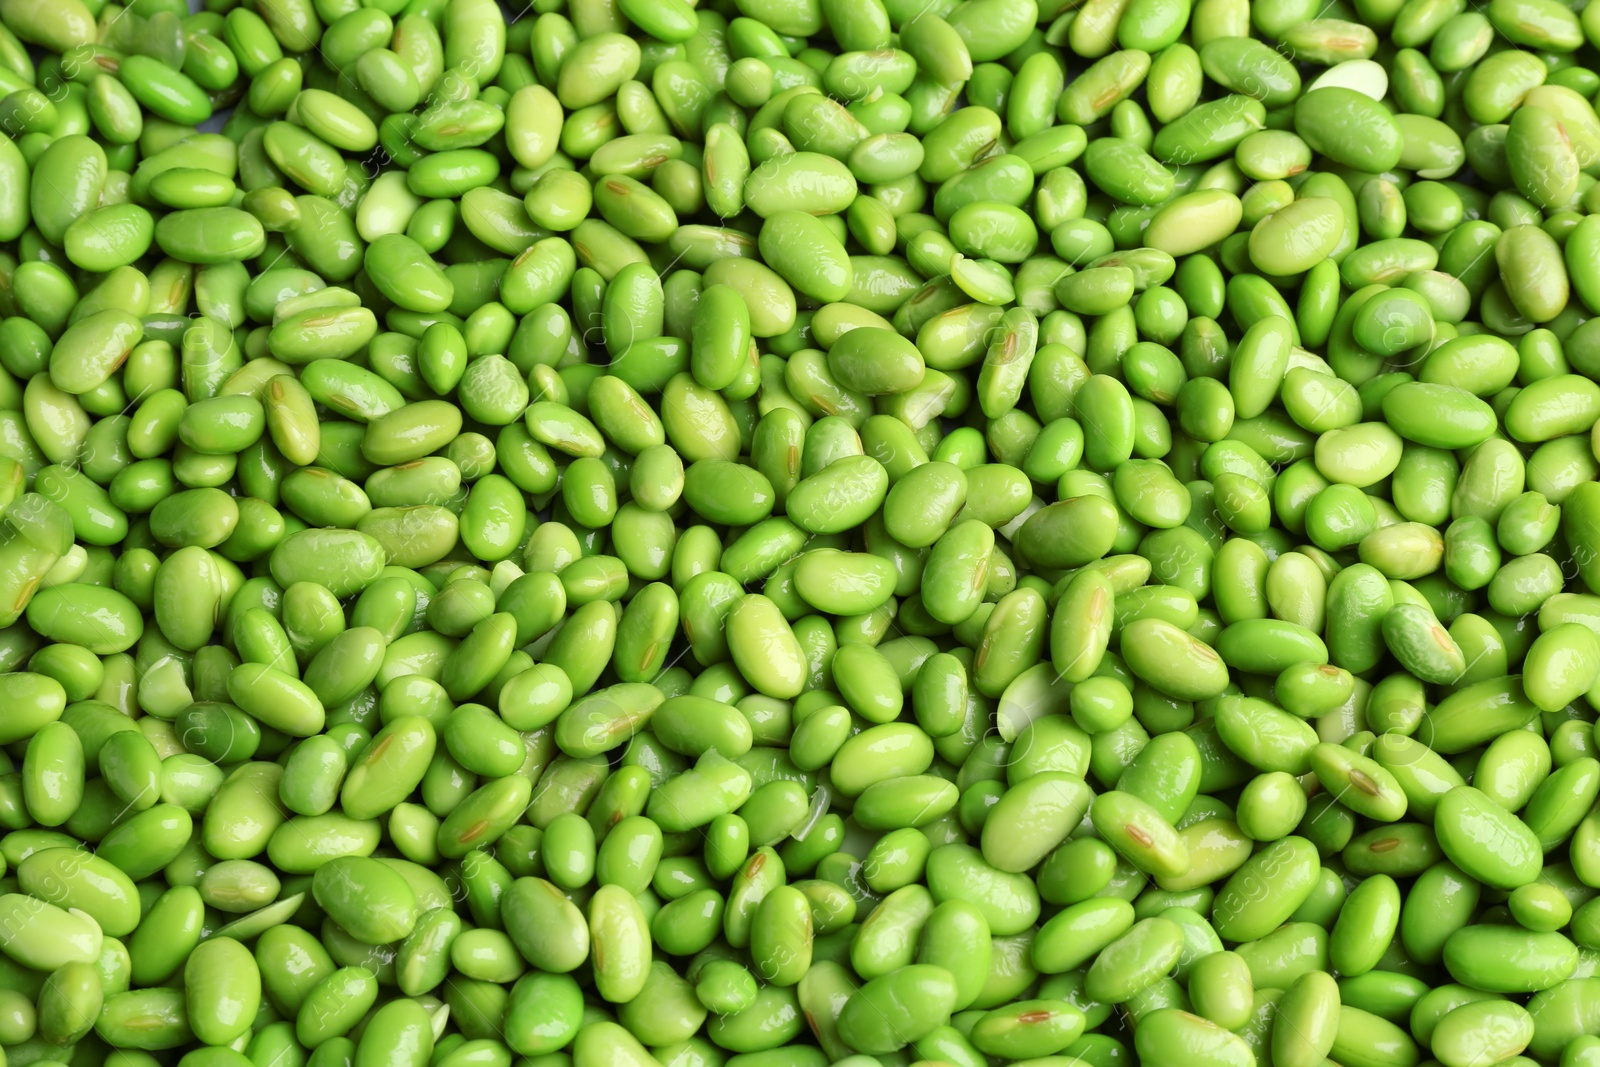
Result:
[790,532]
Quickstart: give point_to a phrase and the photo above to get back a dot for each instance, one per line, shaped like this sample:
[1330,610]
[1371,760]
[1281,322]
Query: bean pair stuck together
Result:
[772,533]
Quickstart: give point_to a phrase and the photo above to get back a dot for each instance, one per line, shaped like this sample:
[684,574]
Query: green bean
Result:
[799,532]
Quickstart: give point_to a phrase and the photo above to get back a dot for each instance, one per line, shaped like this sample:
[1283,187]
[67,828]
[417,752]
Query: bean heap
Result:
[790,532]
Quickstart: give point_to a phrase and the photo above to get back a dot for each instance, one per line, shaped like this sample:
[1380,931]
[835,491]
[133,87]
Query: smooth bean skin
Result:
[799,532]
